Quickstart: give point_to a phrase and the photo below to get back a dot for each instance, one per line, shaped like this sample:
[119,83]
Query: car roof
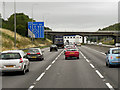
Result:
[34,48]
[18,51]
[114,48]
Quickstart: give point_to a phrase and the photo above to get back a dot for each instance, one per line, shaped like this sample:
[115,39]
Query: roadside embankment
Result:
[7,41]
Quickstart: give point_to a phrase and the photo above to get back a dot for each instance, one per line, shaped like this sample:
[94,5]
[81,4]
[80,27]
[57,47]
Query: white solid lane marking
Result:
[92,65]
[48,67]
[38,79]
[101,76]
[109,86]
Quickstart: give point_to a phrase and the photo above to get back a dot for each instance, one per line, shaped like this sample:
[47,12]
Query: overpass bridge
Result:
[113,34]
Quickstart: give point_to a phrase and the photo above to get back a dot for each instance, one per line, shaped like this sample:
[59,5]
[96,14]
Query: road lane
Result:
[13,80]
[70,74]
[98,60]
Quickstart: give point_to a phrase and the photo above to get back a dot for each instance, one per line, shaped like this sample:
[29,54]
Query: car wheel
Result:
[77,57]
[27,70]
[109,65]
[65,58]
[23,71]
[106,64]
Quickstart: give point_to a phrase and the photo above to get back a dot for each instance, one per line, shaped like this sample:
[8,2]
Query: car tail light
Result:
[21,60]
[111,57]
[77,52]
[38,53]
[28,53]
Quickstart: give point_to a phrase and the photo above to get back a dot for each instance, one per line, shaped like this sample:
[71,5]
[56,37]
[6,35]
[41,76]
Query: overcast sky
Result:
[69,16]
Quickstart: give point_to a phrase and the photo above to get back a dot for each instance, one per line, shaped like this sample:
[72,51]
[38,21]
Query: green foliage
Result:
[115,27]
[21,30]
[21,23]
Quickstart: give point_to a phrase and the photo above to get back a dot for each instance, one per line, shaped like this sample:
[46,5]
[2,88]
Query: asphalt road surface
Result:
[89,71]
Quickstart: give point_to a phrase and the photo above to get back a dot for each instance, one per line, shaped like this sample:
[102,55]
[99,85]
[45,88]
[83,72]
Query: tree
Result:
[21,30]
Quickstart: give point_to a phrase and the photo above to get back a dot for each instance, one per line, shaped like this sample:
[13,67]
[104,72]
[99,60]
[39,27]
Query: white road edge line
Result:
[48,67]
[38,79]
[109,86]
[92,65]
[101,76]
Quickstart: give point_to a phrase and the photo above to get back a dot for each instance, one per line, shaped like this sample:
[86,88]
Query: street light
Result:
[32,20]
[14,24]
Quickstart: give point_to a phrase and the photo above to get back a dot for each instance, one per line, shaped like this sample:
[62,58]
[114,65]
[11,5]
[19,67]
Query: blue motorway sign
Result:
[36,29]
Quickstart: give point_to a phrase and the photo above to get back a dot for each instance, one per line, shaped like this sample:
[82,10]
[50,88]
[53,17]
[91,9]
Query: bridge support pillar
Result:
[82,39]
[114,37]
[52,38]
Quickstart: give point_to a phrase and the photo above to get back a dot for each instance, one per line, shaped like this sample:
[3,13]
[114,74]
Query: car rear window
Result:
[71,49]
[10,56]
[53,45]
[116,51]
[33,50]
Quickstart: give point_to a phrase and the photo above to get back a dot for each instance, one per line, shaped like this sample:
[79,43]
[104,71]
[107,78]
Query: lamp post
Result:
[14,24]
[32,20]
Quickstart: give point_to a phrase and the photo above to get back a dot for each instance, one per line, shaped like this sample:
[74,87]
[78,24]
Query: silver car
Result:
[14,60]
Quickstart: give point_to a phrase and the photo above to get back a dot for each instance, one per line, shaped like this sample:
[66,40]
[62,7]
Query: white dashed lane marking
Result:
[48,67]
[40,77]
[109,86]
[92,65]
[100,75]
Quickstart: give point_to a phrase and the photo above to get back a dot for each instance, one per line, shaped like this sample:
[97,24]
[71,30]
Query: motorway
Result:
[55,72]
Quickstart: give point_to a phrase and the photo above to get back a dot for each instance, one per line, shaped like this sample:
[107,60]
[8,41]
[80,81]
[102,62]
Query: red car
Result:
[71,53]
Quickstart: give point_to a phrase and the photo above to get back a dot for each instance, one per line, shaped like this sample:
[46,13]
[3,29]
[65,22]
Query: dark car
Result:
[35,54]
[53,47]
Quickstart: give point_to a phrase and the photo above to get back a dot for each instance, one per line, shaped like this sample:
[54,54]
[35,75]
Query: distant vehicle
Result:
[71,53]
[117,44]
[14,60]
[69,47]
[58,40]
[35,54]
[113,57]
[92,42]
[78,44]
[100,43]
[53,47]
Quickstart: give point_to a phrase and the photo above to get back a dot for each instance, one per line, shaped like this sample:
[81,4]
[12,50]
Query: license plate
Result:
[71,52]
[9,66]
[33,56]
[117,57]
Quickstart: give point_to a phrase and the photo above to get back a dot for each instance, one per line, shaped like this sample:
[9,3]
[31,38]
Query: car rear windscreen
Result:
[33,51]
[10,56]
[116,51]
[71,50]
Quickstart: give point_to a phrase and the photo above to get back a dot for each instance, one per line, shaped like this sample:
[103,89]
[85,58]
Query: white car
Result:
[100,43]
[14,60]
[117,44]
